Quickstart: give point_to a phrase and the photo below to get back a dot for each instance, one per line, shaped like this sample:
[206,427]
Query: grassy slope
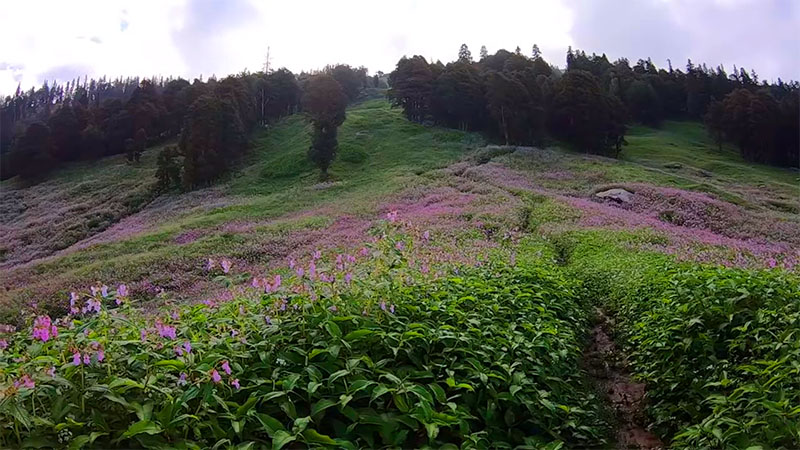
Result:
[380,154]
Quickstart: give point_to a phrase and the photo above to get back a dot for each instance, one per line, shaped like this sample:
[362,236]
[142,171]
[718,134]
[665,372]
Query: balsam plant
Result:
[333,353]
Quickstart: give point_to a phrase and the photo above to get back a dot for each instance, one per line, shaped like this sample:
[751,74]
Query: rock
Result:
[673,165]
[616,194]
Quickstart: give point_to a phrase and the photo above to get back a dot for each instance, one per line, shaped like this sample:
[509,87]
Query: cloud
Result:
[190,37]
[758,34]
[202,40]
[66,72]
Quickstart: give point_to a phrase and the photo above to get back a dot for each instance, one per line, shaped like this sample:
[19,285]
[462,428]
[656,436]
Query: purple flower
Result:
[299,272]
[91,305]
[3,344]
[400,245]
[277,283]
[178,351]
[94,290]
[73,297]
[316,255]
[348,277]
[104,291]
[44,329]
[312,270]
[143,334]
[52,371]
[101,355]
[426,235]
[424,268]
[76,359]
[291,263]
[165,331]
[226,265]
[268,320]
[392,215]
[24,382]
[87,359]
[122,291]
[234,333]
[364,251]
[383,305]
[226,367]
[255,283]
[235,383]
[215,376]
[333,308]
[182,379]
[391,308]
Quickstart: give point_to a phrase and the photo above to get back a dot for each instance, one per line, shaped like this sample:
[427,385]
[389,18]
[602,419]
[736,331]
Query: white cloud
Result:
[190,37]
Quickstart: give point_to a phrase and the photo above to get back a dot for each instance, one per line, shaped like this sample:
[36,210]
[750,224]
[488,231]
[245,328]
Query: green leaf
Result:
[172,363]
[313,436]
[123,384]
[321,406]
[333,329]
[271,425]
[143,426]
[358,334]
[248,405]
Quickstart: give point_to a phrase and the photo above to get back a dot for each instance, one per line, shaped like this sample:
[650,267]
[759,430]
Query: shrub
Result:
[344,354]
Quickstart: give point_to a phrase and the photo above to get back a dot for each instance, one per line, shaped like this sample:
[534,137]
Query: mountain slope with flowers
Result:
[437,292]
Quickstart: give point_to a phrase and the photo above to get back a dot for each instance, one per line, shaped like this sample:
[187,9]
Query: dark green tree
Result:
[411,85]
[324,101]
[584,114]
[168,171]
[464,55]
[32,154]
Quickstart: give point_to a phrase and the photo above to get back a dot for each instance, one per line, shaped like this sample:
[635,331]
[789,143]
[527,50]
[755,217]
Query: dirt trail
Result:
[607,366]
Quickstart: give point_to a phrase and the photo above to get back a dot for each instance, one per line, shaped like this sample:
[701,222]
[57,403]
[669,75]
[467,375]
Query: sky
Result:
[47,40]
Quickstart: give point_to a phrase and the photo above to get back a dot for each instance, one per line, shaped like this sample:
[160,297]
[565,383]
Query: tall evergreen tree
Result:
[464,55]
[484,53]
[324,101]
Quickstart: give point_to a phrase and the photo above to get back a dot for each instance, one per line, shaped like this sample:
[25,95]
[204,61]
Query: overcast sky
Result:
[61,39]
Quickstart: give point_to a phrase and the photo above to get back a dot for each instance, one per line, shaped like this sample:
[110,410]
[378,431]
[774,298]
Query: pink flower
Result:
[255,283]
[52,371]
[333,308]
[143,334]
[3,344]
[215,376]
[392,215]
[424,268]
[348,277]
[299,272]
[24,382]
[182,379]
[291,263]
[210,303]
[426,235]
[209,265]
[178,351]
[772,263]
[226,367]
[226,265]
[44,329]
[76,359]
[364,251]
[400,245]
[235,383]
[101,355]
[316,255]
[277,283]
[175,315]
[87,359]
[94,290]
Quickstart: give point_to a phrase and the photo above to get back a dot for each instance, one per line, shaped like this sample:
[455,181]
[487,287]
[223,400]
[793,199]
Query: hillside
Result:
[510,243]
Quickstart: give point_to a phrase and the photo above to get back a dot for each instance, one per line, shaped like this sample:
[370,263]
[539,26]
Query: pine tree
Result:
[464,54]
[484,53]
[324,101]
[536,53]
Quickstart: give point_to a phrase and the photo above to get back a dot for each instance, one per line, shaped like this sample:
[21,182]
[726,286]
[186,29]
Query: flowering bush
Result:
[337,352]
